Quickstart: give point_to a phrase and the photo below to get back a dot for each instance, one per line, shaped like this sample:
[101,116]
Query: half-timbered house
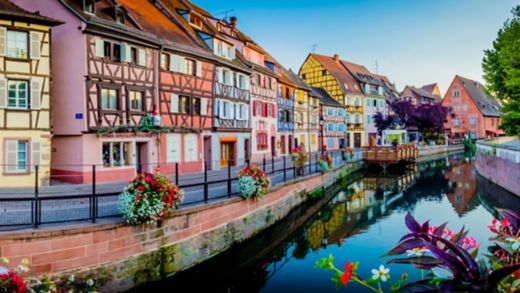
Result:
[332,117]
[25,99]
[186,75]
[231,139]
[285,102]
[105,86]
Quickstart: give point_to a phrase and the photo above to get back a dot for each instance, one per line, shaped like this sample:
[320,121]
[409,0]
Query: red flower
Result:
[345,278]
[140,188]
[516,274]
[505,223]
[138,198]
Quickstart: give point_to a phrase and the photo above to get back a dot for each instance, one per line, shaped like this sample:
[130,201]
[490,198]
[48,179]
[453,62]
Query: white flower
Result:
[90,282]
[381,274]
[417,251]
[23,268]
[71,278]
[515,242]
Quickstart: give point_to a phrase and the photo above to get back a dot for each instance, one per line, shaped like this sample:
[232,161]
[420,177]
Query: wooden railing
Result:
[390,154]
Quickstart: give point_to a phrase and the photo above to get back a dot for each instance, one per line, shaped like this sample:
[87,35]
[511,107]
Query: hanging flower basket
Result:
[325,163]
[253,182]
[299,157]
[149,199]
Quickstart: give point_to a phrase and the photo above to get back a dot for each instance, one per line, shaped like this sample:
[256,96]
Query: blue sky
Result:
[414,42]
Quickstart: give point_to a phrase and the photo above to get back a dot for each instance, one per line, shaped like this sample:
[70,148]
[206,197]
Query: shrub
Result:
[149,198]
[253,182]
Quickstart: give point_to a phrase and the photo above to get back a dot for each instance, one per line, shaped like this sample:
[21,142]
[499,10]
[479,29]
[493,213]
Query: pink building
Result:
[104,81]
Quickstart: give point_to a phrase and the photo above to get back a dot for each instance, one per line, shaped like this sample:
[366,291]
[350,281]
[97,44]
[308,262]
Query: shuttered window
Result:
[17,97]
[3,41]
[36,94]
[35,154]
[36,42]
[3,93]
[17,44]
[203,106]
[16,156]
[190,148]
[174,103]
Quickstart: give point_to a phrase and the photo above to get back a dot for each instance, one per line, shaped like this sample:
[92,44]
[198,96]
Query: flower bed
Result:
[450,260]
[149,199]
[253,182]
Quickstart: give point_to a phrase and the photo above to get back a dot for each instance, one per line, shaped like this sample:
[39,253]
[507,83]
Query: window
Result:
[456,93]
[304,76]
[109,99]
[287,93]
[368,103]
[18,94]
[473,121]
[184,104]
[191,153]
[261,141]
[21,159]
[456,122]
[88,6]
[257,79]
[374,103]
[324,72]
[227,77]
[356,119]
[269,83]
[134,55]
[464,107]
[196,106]
[136,100]
[242,81]
[116,154]
[369,119]
[17,44]
[120,16]
[112,51]
[17,159]
[330,142]
[195,20]
[191,67]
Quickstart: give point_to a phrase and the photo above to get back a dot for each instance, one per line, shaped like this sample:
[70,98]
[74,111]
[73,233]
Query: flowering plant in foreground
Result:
[149,198]
[449,260]
[10,280]
[253,182]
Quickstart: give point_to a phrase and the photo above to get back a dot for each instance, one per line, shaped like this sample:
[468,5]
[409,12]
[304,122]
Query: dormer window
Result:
[88,6]
[120,16]
[195,20]
[234,34]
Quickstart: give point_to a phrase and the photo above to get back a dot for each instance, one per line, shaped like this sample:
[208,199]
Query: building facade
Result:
[332,122]
[420,96]
[25,95]
[476,114]
[285,103]
[314,121]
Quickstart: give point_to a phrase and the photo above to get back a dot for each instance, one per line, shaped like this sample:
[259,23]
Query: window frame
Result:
[27,95]
[109,88]
[124,161]
[27,44]
[129,92]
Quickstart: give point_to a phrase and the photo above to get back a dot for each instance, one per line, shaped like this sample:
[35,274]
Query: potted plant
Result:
[299,157]
[149,199]
[253,182]
[348,154]
[325,163]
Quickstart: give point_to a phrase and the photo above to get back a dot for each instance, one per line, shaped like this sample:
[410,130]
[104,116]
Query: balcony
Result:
[224,90]
[285,102]
[230,123]
[242,94]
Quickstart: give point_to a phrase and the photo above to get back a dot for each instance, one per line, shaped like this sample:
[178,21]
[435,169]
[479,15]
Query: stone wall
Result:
[499,171]
[133,255]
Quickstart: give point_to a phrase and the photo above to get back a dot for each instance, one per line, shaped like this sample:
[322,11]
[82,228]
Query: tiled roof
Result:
[429,87]
[152,20]
[420,92]
[11,10]
[325,98]
[340,73]
[362,74]
[104,14]
[487,105]
[297,80]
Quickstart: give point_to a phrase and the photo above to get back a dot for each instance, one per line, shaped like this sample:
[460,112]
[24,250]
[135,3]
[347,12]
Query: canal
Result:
[359,220]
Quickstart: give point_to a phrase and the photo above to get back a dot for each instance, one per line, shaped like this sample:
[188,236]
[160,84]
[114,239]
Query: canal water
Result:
[360,221]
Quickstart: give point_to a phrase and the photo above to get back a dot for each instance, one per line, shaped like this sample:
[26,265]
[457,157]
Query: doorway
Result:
[282,145]
[290,144]
[227,154]
[247,155]
[273,146]
[140,149]
[207,151]
[357,140]
[341,143]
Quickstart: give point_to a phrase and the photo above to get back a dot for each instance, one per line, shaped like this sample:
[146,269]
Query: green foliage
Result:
[501,67]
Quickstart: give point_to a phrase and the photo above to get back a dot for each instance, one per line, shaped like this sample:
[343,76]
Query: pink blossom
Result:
[469,242]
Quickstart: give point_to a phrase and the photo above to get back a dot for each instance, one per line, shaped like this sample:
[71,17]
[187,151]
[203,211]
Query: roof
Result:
[11,10]
[362,74]
[340,73]
[487,105]
[297,80]
[325,98]
[421,93]
[152,20]
[429,87]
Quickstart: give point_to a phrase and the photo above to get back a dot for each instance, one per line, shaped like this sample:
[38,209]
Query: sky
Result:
[413,42]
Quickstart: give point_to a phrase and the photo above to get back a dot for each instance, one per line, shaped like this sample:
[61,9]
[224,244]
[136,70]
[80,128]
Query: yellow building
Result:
[331,74]
[314,119]
[304,134]
[25,83]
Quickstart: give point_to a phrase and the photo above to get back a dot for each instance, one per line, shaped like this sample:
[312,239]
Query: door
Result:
[273,146]
[282,145]
[139,157]
[207,151]
[341,143]
[290,143]
[227,154]
[357,140]
[247,155]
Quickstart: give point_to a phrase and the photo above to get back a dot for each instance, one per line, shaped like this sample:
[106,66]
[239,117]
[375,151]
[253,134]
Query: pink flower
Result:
[469,242]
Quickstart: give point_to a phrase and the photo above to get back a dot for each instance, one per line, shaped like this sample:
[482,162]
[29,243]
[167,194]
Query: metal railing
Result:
[96,200]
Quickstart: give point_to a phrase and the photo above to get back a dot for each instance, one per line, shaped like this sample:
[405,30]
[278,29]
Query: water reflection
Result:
[359,221]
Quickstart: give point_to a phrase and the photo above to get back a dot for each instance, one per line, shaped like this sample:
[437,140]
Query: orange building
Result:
[476,114]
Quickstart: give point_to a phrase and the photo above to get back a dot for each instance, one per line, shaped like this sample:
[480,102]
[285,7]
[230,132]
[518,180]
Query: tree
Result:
[425,118]
[501,67]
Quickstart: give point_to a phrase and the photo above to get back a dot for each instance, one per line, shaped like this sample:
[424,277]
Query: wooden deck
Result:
[390,155]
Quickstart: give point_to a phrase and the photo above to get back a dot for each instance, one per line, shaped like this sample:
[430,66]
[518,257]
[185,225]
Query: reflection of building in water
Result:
[462,187]
[389,182]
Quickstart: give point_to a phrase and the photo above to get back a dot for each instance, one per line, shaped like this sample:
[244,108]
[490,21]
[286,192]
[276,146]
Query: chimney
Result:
[233,21]
[336,57]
